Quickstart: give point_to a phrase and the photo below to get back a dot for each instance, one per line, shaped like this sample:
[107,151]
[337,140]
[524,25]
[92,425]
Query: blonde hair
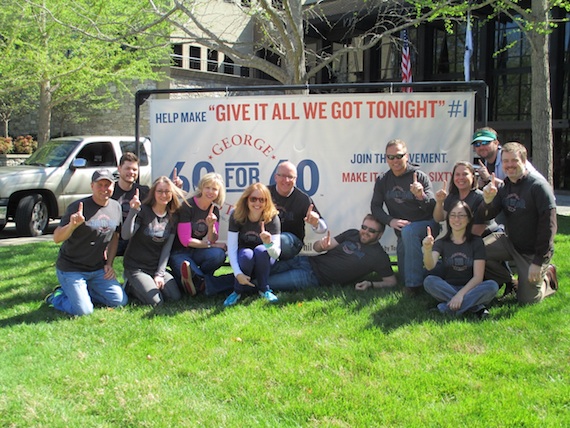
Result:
[241,210]
[218,181]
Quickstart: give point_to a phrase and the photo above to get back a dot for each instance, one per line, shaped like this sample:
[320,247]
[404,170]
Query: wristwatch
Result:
[209,244]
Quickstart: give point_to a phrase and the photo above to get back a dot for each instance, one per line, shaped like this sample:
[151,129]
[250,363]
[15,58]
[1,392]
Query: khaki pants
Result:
[499,248]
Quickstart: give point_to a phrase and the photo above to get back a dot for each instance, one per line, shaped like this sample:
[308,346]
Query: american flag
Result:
[406,63]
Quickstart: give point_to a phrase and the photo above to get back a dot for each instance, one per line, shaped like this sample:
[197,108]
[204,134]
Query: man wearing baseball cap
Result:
[488,148]
[89,232]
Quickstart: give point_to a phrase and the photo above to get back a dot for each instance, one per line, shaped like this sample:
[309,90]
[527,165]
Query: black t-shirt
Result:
[124,197]
[146,245]
[458,259]
[84,250]
[248,233]
[292,210]
[350,260]
[196,217]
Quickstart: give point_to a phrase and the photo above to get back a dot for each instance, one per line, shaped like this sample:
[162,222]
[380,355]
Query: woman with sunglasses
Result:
[150,227]
[460,287]
[254,242]
[196,253]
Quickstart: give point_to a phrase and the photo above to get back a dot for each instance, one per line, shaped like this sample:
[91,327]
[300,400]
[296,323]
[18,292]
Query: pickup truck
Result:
[57,174]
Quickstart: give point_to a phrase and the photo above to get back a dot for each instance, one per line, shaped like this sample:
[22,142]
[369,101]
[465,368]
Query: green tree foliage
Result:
[45,45]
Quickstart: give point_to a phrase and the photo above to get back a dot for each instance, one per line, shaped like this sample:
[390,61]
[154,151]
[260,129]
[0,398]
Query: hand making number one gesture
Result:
[135,202]
[312,217]
[77,218]
[490,190]
[441,194]
[416,187]
[428,240]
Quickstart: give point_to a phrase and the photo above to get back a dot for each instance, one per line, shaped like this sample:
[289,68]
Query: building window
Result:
[228,65]
[194,60]
[212,60]
[177,55]
[512,74]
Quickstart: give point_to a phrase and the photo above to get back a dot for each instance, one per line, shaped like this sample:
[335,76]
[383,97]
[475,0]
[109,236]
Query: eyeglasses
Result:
[164,192]
[254,199]
[398,156]
[459,216]
[481,143]
[288,177]
[369,229]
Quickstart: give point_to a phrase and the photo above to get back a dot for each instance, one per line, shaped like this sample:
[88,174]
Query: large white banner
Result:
[337,142]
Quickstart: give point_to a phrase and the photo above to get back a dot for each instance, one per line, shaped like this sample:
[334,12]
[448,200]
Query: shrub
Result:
[25,144]
[6,145]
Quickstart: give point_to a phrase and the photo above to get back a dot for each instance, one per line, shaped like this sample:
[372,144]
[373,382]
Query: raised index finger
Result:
[428,231]
[415,177]
[211,209]
[493,180]
[262,226]
[137,192]
[174,174]
[80,208]
[444,184]
[310,210]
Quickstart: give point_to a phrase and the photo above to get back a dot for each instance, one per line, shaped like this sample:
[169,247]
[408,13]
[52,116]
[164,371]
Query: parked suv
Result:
[57,174]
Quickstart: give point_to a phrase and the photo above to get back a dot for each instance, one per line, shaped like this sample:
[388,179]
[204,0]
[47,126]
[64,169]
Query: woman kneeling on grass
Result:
[150,228]
[462,287]
[254,242]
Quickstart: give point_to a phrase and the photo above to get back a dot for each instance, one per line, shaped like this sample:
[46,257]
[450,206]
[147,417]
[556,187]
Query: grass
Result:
[329,357]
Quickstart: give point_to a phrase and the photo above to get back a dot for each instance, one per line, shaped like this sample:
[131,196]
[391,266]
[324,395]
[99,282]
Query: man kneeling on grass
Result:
[89,230]
[349,256]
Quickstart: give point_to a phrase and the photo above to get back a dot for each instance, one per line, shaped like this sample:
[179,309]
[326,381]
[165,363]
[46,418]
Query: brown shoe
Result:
[413,291]
[552,278]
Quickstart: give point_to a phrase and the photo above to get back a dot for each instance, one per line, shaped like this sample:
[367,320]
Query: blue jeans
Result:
[203,261]
[82,289]
[294,274]
[291,245]
[474,300]
[256,264]
[409,251]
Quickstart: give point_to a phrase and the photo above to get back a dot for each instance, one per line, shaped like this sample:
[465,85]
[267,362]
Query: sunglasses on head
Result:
[481,143]
[369,229]
[255,199]
[398,156]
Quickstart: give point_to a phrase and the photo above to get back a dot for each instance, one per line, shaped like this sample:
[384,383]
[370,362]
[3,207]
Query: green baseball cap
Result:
[484,135]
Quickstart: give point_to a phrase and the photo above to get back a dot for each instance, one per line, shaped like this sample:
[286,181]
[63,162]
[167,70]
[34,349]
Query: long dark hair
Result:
[452,187]
[468,234]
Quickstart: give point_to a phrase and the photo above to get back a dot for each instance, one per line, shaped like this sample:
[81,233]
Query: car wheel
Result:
[31,216]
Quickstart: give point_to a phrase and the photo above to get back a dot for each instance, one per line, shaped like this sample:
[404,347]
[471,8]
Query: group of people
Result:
[161,227]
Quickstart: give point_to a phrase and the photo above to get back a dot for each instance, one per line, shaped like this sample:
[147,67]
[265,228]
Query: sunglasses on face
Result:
[369,229]
[254,199]
[398,156]
[481,143]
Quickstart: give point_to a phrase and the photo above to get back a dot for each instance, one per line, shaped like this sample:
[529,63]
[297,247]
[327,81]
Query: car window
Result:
[98,154]
[52,154]
[129,146]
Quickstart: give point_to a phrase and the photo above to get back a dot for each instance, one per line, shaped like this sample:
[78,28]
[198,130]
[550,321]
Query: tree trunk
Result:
[541,109]
[44,113]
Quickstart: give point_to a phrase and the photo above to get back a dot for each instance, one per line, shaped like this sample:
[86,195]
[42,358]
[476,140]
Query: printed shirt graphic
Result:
[350,260]
[84,250]
[458,259]
[145,246]
[248,233]
[195,218]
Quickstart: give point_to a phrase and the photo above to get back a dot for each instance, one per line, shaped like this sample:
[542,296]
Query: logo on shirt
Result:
[353,248]
[459,262]
[399,195]
[102,224]
[513,202]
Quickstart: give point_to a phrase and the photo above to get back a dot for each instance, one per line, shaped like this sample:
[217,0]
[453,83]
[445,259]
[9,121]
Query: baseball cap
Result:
[484,135]
[102,174]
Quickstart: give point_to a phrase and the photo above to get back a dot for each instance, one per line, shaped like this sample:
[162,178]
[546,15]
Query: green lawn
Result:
[329,357]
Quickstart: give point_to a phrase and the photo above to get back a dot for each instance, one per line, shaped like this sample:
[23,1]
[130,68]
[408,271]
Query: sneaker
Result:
[482,314]
[269,296]
[57,291]
[232,299]
[186,275]
[552,278]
